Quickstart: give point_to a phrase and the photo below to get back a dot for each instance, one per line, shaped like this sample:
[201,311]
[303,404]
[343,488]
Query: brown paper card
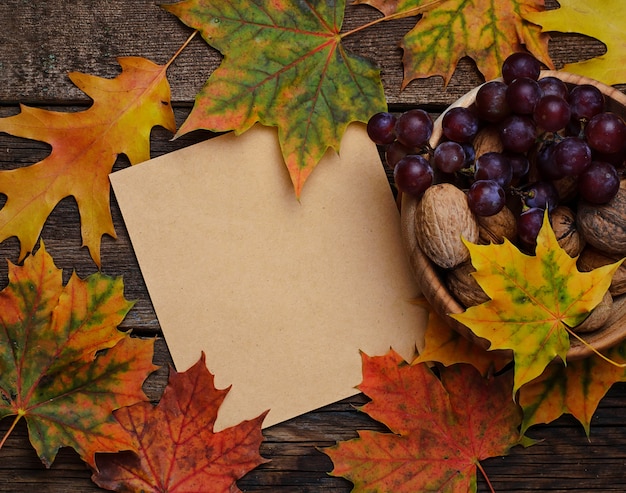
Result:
[280,294]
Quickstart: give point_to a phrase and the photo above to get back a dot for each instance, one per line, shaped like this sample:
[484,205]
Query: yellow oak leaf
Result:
[533,299]
[599,19]
[85,145]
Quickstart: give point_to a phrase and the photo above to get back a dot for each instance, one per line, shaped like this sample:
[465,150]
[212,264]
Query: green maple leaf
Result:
[601,19]
[533,299]
[284,66]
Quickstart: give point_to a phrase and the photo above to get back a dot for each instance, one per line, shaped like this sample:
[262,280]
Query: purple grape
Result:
[585,102]
[599,183]
[517,133]
[460,124]
[529,224]
[518,65]
[491,105]
[449,157]
[606,132]
[541,195]
[485,198]
[413,174]
[522,95]
[519,163]
[414,128]
[394,152]
[545,162]
[470,153]
[552,113]
[553,86]
[494,166]
[381,128]
[572,156]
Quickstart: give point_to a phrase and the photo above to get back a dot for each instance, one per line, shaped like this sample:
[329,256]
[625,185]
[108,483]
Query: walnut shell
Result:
[442,218]
[604,226]
[563,220]
[591,258]
[493,229]
[598,316]
[487,140]
[464,287]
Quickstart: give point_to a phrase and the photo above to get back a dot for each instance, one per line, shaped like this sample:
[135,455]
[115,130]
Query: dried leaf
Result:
[532,299]
[441,429]
[85,145]
[284,66]
[575,389]
[178,449]
[448,347]
[448,30]
[600,19]
[64,365]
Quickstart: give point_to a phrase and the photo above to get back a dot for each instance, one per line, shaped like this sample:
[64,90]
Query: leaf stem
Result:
[396,15]
[479,466]
[179,51]
[605,358]
[18,416]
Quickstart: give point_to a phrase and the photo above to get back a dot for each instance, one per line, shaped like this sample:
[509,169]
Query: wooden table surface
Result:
[42,40]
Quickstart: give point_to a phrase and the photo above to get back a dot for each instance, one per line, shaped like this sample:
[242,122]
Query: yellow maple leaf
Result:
[600,19]
[533,299]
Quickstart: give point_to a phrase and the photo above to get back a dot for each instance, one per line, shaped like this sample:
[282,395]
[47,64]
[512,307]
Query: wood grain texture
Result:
[41,41]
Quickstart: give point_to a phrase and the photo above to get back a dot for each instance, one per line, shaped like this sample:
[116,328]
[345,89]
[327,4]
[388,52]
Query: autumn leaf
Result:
[178,449]
[599,19]
[284,66]
[440,429]
[64,366]
[449,30]
[85,145]
[575,389]
[448,347]
[533,298]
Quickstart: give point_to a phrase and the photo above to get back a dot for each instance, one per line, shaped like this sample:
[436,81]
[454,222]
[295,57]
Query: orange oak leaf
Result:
[178,450]
[448,30]
[64,365]
[446,346]
[597,19]
[284,66]
[440,429]
[575,389]
[85,145]
[534,298]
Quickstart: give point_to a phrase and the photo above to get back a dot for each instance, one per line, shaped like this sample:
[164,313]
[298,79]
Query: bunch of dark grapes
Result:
[558,144]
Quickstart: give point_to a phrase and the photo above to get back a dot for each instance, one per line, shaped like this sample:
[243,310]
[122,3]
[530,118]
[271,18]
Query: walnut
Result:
[563,222]
[493,229]
[598,316]
[487,140]
[604,226]
[464,287]
[592,258]
[442,218]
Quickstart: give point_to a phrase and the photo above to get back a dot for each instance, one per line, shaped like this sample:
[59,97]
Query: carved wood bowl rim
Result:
[428,275]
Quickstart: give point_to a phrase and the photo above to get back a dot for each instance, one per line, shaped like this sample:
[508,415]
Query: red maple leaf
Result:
[178,450]
[441,429]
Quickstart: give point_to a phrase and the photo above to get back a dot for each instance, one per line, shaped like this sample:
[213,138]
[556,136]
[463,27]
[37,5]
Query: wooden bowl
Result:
[429,276]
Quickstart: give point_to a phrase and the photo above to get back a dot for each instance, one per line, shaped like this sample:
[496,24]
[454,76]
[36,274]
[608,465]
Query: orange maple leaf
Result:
[85,146]
[65,366]
[441,429]
[178,449]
